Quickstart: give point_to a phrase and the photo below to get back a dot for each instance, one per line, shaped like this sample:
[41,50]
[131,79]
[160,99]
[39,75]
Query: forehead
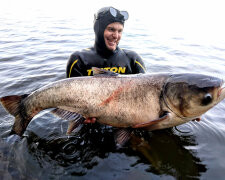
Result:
[115,25]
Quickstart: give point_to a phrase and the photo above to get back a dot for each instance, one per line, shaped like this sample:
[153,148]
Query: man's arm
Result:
[137,63]
[74,66]
[139,66]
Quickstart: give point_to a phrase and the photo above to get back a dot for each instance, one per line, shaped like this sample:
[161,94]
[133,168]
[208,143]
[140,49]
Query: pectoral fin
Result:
[74,118]
[155,121]
[64,114]
[73,124]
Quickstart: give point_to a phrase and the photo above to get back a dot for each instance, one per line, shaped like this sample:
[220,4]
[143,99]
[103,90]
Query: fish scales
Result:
[117,101]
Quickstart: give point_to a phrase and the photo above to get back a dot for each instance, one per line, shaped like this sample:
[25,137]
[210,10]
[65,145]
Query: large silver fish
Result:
[151,101]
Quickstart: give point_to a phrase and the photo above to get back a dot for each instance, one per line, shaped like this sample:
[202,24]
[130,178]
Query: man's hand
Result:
[90,120]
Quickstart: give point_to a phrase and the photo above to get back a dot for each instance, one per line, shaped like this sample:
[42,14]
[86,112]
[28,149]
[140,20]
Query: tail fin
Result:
[13,105]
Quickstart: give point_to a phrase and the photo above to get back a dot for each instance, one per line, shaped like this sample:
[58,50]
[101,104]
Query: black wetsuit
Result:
[122,61]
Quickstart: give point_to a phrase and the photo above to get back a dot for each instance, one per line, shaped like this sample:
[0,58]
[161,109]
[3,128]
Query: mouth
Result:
[223,84]
[111,42]
[221,91]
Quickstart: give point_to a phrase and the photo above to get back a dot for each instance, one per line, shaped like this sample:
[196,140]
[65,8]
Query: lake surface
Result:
[35,45]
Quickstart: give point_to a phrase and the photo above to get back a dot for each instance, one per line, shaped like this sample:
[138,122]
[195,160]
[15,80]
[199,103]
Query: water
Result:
[35,42]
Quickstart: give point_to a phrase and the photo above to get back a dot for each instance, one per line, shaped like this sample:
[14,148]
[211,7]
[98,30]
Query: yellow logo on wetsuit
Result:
[120,70]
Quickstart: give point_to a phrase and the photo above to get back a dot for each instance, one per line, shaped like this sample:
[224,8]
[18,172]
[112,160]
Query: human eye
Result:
[111,29]
[120,31]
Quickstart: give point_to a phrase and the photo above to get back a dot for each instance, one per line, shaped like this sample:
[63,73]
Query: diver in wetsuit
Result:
[108,28]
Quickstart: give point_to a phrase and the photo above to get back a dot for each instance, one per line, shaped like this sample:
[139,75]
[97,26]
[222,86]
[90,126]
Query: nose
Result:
[115,35]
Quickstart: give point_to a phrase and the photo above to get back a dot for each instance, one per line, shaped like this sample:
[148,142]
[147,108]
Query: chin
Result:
[111,48]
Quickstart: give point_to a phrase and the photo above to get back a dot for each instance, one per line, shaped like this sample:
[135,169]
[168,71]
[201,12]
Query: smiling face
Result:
[112,35]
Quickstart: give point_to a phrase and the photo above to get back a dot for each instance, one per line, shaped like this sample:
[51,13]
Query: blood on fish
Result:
[115,94]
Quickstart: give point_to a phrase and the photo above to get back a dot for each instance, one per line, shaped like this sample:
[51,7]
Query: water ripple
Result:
[34,50]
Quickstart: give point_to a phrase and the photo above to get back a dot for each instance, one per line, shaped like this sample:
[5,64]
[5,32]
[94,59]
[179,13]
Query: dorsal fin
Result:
[103,72]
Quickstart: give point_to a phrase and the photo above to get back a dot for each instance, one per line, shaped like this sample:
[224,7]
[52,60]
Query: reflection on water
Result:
[80,152]
[34,52]
[166,153]
[156,153]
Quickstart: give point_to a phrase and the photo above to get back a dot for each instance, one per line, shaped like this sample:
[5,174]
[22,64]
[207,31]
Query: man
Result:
[108,28]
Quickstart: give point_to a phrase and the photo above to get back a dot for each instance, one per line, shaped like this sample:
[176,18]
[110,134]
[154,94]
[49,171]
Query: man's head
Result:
[108,28]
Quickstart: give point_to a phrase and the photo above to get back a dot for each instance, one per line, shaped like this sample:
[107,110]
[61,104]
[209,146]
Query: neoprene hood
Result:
[102,19]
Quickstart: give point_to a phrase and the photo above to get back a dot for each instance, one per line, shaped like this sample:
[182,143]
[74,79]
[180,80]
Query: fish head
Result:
[191,95]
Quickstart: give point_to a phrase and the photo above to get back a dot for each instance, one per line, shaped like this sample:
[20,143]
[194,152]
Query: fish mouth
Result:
[221,91]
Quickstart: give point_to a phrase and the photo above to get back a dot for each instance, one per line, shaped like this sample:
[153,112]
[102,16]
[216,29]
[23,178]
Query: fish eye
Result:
[207,99]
